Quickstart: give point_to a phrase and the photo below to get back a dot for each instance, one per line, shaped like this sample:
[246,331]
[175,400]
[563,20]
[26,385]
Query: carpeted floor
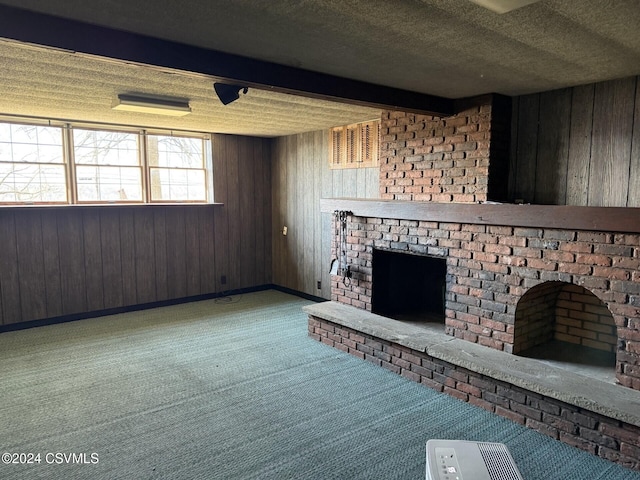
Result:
[233,389]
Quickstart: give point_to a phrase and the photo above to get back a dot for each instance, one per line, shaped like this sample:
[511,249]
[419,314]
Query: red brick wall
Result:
[565,312]
[534,316]
[434,159]
[490,268]
[608,438]
[583,319]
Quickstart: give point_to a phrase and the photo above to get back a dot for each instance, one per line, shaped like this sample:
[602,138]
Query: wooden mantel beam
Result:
[78,37]
[565,217]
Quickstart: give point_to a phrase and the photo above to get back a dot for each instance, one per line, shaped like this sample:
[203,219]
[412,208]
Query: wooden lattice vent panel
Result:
[355,146]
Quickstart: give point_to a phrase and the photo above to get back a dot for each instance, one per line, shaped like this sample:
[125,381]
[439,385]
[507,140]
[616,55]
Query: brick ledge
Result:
[613,401]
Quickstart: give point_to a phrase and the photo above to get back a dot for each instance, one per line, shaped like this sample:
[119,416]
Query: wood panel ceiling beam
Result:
[81,38]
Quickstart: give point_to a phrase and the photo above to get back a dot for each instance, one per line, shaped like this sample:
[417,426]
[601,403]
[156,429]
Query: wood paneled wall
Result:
[57,261]
[300,177]
[578,146]
[242,182]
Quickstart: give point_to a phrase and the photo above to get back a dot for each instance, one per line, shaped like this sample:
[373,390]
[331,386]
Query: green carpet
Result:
[234,390]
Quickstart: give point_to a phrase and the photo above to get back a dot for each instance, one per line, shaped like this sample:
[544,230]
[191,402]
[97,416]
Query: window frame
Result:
[206,150]
[142,133]
[64,164]
[74,165]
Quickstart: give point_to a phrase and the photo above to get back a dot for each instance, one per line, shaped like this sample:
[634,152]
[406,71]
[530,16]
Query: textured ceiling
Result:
[450,48]
[48,83]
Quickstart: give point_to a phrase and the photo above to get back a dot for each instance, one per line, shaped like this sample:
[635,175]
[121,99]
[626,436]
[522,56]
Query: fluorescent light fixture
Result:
[159,106]
[503,6]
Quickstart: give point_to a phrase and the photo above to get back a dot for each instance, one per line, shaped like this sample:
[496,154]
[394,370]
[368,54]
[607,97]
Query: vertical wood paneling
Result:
[601,156]
[206,234]
[176,253]
[526,151]
[553,147]
[350,183]
[127,256]
[93,259]
[580,145]
[237,184]
[232,205]
[288,240]
[1,308]
[221,235]
[611,148]
[634,168]
[247,212]
[33,292]
[513,149]
[262,210]
[336,180]
[326,185]
[192,250]
[290,212]
[279,241]
[145,254]
[316,165]
[266,211]
[372,178]
[111,257]
[72,262]
[69,260]
[51,259]
[160,251]
[296,183]
[361,182]
[306,214]
[301,176]
[9,279]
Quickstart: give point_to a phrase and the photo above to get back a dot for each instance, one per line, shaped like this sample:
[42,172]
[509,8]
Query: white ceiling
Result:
[449,48]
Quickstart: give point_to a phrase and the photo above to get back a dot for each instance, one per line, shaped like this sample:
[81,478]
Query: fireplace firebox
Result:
[408,287]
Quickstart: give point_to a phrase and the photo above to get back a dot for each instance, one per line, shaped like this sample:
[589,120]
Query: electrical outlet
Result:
[223,280]
[319,285]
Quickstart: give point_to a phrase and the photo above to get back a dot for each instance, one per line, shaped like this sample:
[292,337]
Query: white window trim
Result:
[67,127]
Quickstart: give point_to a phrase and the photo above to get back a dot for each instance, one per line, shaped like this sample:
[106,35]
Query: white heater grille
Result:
[498,461]
[465,460]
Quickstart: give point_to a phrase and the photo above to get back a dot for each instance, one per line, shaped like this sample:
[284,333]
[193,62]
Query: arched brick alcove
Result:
[563,312]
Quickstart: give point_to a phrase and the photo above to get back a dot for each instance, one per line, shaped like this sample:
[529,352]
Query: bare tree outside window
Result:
[107,166]
[42,163]
[32,166]
[177,169]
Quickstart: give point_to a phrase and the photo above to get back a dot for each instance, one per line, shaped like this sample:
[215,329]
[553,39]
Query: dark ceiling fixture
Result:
[228,93]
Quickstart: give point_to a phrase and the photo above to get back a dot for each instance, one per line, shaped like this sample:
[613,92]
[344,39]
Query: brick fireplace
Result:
[584,285]
[517,276]
[492,263]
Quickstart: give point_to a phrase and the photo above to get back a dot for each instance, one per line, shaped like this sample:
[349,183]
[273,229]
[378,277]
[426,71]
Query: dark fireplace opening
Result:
[567,326]
[408,287]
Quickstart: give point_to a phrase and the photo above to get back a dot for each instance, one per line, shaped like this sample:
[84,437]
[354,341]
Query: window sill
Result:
[107,205]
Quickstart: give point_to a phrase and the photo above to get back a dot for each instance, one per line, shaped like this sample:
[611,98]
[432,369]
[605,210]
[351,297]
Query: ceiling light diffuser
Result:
[503,6]
[158,106]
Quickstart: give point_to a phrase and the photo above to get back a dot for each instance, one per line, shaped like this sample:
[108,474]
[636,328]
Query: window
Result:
[32,167]
[354,146]
[176,168]
[107,166]
[81,164]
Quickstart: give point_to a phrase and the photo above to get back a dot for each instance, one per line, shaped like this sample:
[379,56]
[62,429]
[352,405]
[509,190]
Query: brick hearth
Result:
[564,407]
